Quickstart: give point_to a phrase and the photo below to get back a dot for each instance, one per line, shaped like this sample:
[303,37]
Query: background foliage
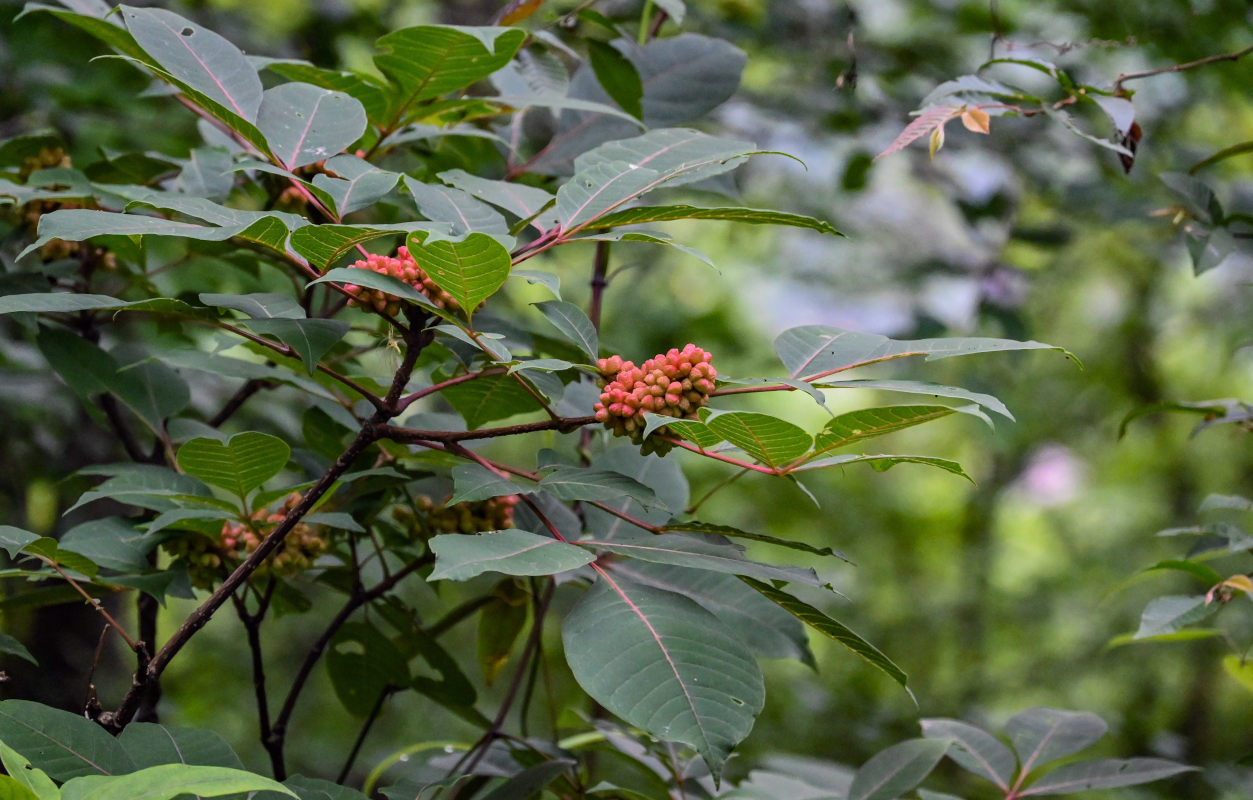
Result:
[995,596]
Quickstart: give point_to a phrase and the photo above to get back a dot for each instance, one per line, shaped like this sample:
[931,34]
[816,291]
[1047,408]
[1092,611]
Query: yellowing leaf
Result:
[976,120]
[937,140]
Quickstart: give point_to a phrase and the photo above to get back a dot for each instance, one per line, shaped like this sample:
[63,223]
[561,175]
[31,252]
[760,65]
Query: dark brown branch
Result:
[365,731]
[600,268]
[108,404]
[414,436]
[252,626]
[1200,62]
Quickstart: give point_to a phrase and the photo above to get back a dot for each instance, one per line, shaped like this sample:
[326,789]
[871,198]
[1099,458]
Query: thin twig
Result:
[365,731]
[1200,62]
[414,436]
[94,602]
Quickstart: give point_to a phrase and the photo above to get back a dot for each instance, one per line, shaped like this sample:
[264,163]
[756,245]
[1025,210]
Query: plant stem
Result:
[370,719]
[1200,62]
[95,603]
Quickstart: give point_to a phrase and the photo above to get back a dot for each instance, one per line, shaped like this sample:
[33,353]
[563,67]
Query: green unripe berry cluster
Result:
[492,514]
[676,384]
[209,560]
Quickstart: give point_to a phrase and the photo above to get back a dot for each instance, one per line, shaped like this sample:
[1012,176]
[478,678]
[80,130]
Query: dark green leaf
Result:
[197,57]
[1041,735]
[324,245]
[1206,575]
[573,324]
[12,647]
[262,305]
[769,631]
[149,745]
[683,550]
[363,663]
[24,782]
[354,183]
[894,771]
[751,216]
[919,387]
[490,398]
[528,783]
[1169,614]
[581,483]
[975,750]
[736,533]
[662,662]
[882,463]
[62,744]
[460,210]
[366,88]
[310,338]
[473,482]
[518,199]
[1109,773]
[617,76]
[832,629]
[304,123]
[512,552]
[14,539]
[113,543]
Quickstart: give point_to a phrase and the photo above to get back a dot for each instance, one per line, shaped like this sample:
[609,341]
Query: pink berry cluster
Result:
[673,384]
[402,267]
[208,560]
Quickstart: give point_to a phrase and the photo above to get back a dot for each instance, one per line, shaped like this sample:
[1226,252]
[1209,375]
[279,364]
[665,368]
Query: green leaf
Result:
[692,430]
[324,245]
[354,183]
[882,463]
[10,646]
[582,483]
[770,440]
[304,123]
[1041,735]
[145,486]
[151,390]
[1107,773]
[370,279]
[150,745]
[501,622]
[62,744]
[112,542]
[14,539]
[662,662]
[617,76]
[70,302]
[363,663]
[752,216]
[769,631]
[975,750]
[168,781]
[316,789]
[518,199]
[894,771]
[262,305]
[1169,614]
[427,61]
[573,324]
[472,482]
[817,350]
[684,550]
[832,629]
[1206,575]
[368,89]
[736,533]
[470,270]
[489,398]
[463,213]
[529,782]
[459,557]
[310,338]
[920,387]
[867,423]
[78,224]
[24,782]
[612,174]
[245,462]
[197,57]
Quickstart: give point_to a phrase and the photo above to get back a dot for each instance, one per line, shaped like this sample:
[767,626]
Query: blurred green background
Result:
[994,597]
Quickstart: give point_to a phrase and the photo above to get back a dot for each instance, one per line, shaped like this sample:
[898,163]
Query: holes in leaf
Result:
[187,31]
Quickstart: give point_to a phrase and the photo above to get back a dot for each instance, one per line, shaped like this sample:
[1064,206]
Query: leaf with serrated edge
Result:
[664,663]
[831,629]
[459,557]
